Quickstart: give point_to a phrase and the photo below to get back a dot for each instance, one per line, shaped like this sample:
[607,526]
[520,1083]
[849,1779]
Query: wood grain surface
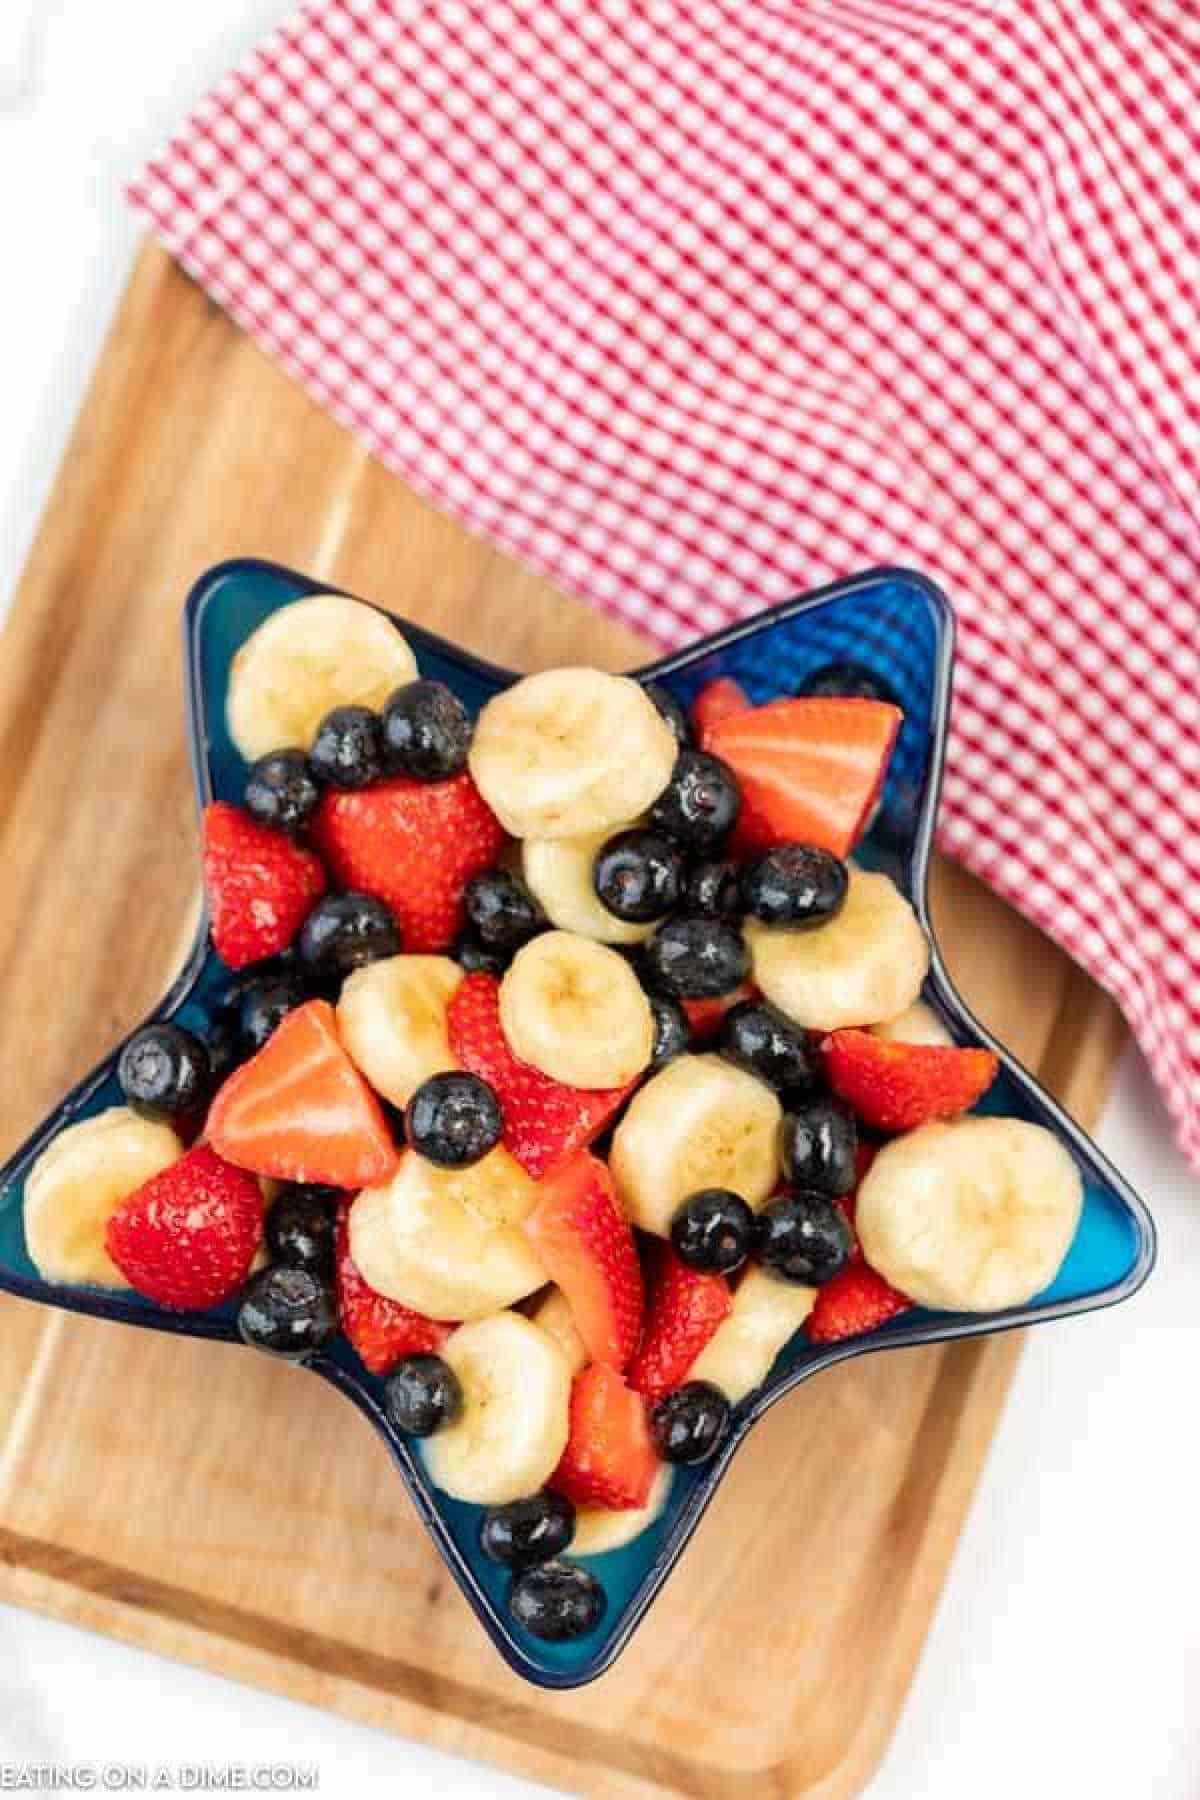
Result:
[213,1506]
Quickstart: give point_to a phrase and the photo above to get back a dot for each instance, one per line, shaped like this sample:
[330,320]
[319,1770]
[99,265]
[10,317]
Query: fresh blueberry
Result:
[804,1237]
[426,732]
[422,1394]
[344,931]
[453,1119]
[268,1000]
[300,1226]
[672,1034]
[796,885]
[671,711]
[638,875]
[847,681]
[347,751]
[528,1531]
[478,958]
[502,910]
[557,1600]
[818,1140]
[758,1037]
[282,791]
[699,805]
[696,959]
[223,1043]
[712,891]
[229,1002]
[713,1231]
[688,1425]
[164,1072]
[289,1312]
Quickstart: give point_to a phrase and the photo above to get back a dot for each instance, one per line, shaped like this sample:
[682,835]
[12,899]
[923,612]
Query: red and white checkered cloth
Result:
[694,303]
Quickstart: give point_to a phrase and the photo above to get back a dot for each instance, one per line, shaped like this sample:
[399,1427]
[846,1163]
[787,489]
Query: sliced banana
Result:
[866,964]
[553,1314]
[78,1182]
[446,1241]
[601,1528]
[576,1011]
[571,751]
[391,1017]
[765,1314]
[558,872]
[512,1429]
[316,654]
[698,1123]
[918,1024]
[972,1216]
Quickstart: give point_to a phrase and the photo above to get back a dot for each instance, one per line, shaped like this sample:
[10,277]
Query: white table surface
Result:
[1066,1653]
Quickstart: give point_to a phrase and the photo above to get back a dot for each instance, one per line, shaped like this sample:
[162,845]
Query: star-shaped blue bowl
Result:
[899,626]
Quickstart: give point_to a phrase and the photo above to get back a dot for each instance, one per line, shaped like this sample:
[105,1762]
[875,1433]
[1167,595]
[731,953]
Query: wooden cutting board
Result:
[216,1507]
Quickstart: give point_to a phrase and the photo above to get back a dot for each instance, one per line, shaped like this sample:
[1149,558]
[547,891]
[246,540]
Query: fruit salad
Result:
[568,1067]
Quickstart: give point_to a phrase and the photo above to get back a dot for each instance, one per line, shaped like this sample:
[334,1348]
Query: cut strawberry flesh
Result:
[610,1458]
[896,1087]
[586,1245]
[704,1016]
[721,699]
[684,1310]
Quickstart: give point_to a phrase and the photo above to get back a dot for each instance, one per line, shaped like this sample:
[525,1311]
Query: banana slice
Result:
[446,1242]
[698,1123]
[601,1528]
[972,1216]
[553,1314]
[392,1019]
[866,964]
[765,1314]
[918,1024]
[576,1011]
[512,1430]
[571,751]
[558,872]
[78,1182]
[306,658]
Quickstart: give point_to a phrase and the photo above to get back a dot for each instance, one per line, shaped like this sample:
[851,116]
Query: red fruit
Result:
[545,1121]
[260,885]
[857,1300]
[413,844]
[609,1459]
[685,1308]
[704,1016]
[847,1204]
[381,1330]
[300,1110]
[811,770]
[585,1244]
[721,699]
[187,1237]
[895,1087]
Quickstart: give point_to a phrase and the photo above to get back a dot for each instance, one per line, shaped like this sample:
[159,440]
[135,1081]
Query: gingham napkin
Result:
[696,304]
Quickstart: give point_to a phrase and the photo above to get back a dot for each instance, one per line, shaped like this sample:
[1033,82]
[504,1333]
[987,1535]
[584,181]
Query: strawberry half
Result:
[585,1243]
[545,1121]
[187,1237]
[413,844]
[896,1087]
[855,1301]
[610,1458]
[685,1307]
[704,1016]
[721,699]
[260,885]
[381,1330]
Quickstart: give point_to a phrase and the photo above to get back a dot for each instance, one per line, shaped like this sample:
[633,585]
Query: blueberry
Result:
[426,732]
[818,1140]
[847,680]
[453,1119]
[344,931]
[347,751]
[796,885]
[223,1043]
[696,959]
[422,1394]
[266,1001]
[164,1072]
[712,891]
[229,1003]
[478,958]
[557,1600]
[699,805]
[528,1531]
[289,1312]
[671,711]
[713,1231]
[638,875]
[502,910]
[758,1037]
[689,1424]
[281,790]
[804,1237]
[300,1228]
[672,1033]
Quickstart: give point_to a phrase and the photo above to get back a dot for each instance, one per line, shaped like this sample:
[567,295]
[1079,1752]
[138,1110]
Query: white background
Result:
[1066,1654]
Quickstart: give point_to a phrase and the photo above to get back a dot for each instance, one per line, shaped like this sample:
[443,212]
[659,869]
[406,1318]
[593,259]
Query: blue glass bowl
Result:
[899,626]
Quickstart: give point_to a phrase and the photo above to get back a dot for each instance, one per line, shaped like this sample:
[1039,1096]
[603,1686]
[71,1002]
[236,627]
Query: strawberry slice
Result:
[545,1121]
[413,844]
[685,1308]
[895,1087]
[704,1016]
[300,1110]
[721,699]
[260,885]
[381,1330]
[855,1301]
[811,770]
[585,1243]
[187,1237]
[609,1459]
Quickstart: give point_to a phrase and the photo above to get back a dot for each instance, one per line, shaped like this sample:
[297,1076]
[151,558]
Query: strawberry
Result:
[260,885]
[585,1243]
[810,770]
[187,1237]
[609,1459]
[413,844]
[300,1110]
[704,1016]
[381,1330]
[895,1087]
[857,1300]
[847,1204]
[685,1308]
[545,1121]
[721,699]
